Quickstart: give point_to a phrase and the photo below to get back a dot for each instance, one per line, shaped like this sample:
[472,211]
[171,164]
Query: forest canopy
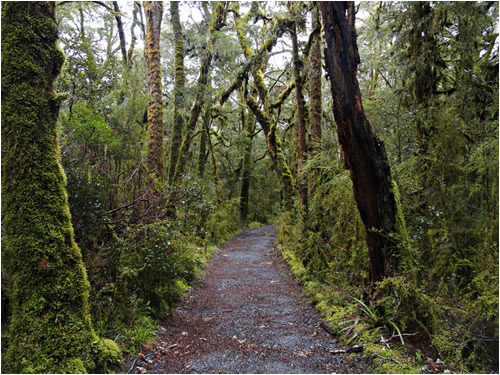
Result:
[136,136]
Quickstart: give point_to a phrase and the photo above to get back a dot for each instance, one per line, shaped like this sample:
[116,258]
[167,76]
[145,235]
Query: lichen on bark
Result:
[50,327]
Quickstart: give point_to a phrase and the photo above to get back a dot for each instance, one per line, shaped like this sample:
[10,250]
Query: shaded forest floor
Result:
[247,316]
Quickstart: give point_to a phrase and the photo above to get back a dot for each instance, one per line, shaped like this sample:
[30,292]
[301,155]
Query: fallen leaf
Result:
[141,370]
[172,346]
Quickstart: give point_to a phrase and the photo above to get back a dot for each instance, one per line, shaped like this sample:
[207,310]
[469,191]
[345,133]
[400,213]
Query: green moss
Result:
[179,83]
[50,328]
[284,95]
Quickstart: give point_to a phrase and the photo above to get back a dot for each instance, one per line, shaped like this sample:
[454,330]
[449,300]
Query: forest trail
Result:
[248,316]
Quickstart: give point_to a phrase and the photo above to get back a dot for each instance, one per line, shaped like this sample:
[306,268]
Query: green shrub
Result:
[153,259]
[224,222]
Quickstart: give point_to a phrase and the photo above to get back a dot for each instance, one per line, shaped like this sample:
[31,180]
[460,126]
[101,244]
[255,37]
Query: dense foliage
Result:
[238,150]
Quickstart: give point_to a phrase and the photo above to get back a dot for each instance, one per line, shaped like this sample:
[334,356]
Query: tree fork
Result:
[218,22]
[265,117]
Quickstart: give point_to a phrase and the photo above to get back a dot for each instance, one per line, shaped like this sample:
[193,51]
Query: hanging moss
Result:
[50,328]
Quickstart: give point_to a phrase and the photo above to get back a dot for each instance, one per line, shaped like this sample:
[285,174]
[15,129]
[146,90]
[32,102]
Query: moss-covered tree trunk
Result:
[179,83]
[202,153]
[301,118]
[315,85]
[265,117]
[215,26]
[154,14]
[316,107]
[364,153]
[50,328]
[423,48]
[246,169]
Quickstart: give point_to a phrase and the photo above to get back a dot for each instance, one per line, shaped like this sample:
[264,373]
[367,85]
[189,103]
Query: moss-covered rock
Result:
[50,328]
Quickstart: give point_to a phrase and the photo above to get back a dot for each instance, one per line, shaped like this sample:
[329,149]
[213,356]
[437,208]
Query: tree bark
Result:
[300,116]
[315,91]
[422,52]
[121,33]
[202,154]
[265,117]
[218,22]
[154,13]
[179,83]
[254,61]
[133,38]
[364,153]
[246,169]
[51,330]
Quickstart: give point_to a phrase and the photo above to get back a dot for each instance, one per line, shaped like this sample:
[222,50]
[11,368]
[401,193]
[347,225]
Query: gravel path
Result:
[248,316]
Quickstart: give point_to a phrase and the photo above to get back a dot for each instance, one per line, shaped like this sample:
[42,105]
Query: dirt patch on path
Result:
[248,316]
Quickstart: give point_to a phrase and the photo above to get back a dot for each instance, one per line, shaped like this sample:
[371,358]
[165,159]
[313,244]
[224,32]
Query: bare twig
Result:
[133,364]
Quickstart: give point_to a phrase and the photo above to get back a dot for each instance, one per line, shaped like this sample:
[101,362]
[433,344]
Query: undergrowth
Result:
[139,273]
[402,322]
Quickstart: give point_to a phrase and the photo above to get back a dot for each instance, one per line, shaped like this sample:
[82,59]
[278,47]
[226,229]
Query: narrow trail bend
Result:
[248,316]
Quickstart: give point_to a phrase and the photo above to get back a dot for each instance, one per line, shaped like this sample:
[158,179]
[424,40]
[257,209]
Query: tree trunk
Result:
[50,326]
[179,83]
[265,117]
[218,22]
[315,92]
[301,129]
[133,38]
[154,13]
[364,153]
[422,52]
[121,33]
[246,169]
[202,154]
